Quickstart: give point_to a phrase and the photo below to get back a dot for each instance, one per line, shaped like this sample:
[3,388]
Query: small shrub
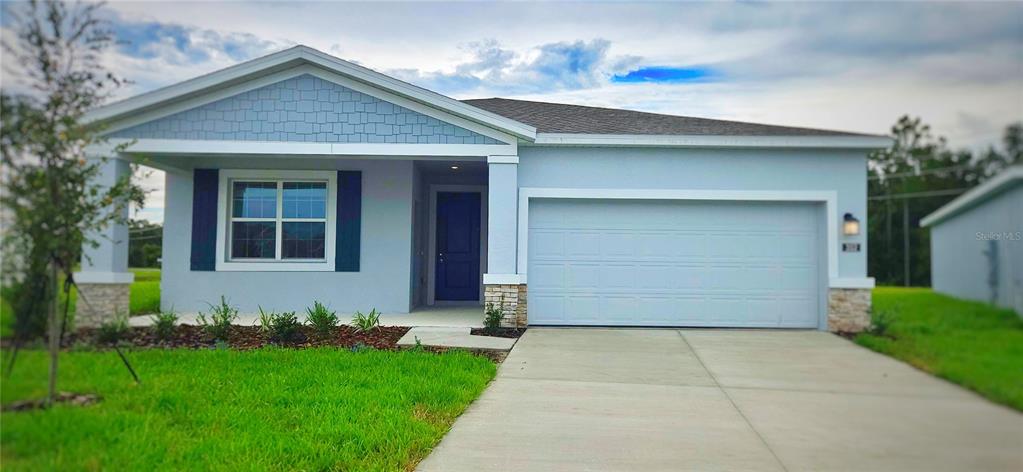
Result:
[880,322]
[219,322]
[265,319]
[359,347]
[113,331]
[419,346]
[492,318]
[366,322]
[321,319]
[163,324]
[279,327]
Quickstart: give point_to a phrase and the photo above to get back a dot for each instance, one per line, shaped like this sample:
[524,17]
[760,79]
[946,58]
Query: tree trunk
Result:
[53,324]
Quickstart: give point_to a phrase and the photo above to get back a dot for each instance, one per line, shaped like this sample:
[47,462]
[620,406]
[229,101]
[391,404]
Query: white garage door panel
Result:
[673,263]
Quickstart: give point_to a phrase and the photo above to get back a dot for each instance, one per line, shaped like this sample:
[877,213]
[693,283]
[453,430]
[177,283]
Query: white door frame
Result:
[432,249]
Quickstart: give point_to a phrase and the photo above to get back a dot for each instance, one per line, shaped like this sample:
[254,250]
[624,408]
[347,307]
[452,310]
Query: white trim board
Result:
[828,197]
[300,56]
[700,141]
[974,196]
[93,277]
[851,282]
[255,148]
[431,251]
[224,265]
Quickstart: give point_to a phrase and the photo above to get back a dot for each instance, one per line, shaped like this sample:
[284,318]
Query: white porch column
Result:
[104,279]
[502,285]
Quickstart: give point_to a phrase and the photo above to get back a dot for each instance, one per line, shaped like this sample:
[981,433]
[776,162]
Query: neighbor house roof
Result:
[578,119]
[1005,180]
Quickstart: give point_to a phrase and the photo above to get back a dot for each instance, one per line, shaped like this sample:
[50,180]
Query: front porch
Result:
[404,261]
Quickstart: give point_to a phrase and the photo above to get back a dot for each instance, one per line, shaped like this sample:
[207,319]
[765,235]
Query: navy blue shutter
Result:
[205,183]
[349,221]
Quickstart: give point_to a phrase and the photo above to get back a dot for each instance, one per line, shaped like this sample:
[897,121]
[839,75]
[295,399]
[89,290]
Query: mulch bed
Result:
[76,399]
[513,333]
[251,337]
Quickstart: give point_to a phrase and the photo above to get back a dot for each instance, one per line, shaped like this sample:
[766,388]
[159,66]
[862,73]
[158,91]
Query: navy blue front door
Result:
[458,246]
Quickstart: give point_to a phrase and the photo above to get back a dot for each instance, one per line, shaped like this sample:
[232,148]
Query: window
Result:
[278,220]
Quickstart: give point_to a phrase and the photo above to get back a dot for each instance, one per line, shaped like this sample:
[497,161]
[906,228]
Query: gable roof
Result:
[577,119]
[1005,180]
[293,57]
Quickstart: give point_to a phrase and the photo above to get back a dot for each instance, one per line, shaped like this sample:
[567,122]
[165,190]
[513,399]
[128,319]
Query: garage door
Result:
[674,263]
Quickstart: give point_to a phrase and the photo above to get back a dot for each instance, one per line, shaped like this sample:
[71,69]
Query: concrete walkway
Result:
[433,336]
[601,399]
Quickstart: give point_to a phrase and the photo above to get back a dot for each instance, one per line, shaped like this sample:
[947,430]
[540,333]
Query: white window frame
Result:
[224,218]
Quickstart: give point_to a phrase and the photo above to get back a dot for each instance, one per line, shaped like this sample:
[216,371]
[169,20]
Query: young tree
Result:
[51,202]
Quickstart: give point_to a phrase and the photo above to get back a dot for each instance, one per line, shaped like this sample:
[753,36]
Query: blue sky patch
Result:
[663,74]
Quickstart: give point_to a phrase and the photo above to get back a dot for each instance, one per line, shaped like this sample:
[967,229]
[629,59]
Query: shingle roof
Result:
[577,119]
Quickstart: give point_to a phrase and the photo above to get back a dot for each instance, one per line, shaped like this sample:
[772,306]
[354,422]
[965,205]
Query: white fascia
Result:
[974,196]
[610,140]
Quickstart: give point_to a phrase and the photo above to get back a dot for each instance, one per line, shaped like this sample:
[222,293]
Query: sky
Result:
[853,66]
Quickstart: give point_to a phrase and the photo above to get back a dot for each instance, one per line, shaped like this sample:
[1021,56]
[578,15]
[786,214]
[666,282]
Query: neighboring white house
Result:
[299,176]
[977,242]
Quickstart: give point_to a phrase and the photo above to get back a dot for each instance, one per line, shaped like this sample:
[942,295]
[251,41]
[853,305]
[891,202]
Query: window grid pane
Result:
[305,200]
[303,240]
[254,200]
[253,239]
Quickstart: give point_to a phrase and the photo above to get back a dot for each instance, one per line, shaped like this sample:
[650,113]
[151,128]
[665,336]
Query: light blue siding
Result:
[711,169]
[386,237]
[305,109]
[977,254]
[503,215]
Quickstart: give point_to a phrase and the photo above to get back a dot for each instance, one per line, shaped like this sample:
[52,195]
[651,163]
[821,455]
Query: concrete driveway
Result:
[631,399]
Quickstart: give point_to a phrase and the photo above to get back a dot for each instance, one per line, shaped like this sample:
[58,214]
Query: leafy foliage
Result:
[492,318]
[219,322]
[51,197]
[279,327]
[164,324]
[915,176]
[366,322]
[322,319]
[112,331]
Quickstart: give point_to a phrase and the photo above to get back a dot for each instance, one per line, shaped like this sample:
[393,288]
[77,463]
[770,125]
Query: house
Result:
[977,242]
[299,176]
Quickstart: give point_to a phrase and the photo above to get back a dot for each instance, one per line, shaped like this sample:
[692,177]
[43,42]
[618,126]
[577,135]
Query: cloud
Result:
[182,45]
[491,68]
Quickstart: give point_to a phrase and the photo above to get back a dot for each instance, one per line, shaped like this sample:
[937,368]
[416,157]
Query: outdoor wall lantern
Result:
[850,225]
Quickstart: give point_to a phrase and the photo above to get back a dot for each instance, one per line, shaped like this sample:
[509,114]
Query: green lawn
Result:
[268,409]
[145,298]
[972,344]
[145,292]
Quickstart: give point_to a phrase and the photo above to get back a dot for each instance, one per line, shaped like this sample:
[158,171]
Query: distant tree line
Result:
[145,244]
[914,177]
